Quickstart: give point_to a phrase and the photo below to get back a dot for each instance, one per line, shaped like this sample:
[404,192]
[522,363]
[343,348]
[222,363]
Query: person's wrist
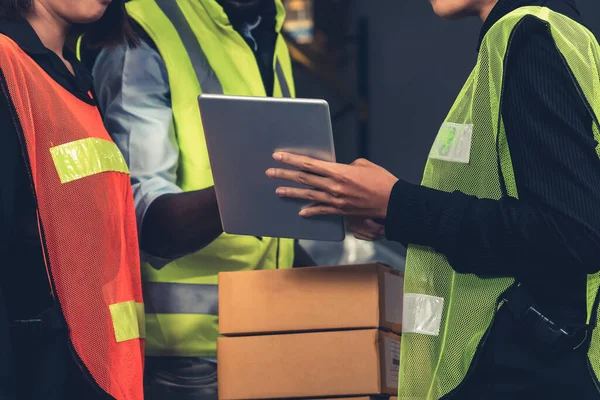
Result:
[394,208]
[381,218]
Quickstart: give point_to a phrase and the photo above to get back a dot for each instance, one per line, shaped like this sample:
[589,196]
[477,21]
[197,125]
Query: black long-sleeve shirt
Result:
[549,238]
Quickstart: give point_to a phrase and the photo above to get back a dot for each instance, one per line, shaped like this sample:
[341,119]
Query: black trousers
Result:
[507,368]
[180,378]
[44,368]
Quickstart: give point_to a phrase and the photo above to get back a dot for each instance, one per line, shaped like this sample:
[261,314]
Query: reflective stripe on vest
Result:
[285,90]
[86,157]
[181,298]
[446,313]
[207,78]
[205,74]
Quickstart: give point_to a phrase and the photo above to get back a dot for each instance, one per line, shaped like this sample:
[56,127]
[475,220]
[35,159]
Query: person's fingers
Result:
[312,195]
[306,163]
[321,210]
[302,177]
[366,229]
[374,226]
[362,162]
[366,238]
[370,235]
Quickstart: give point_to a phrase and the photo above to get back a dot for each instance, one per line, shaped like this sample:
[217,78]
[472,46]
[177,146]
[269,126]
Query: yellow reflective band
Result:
[128,321]
[85,157]
[78,48]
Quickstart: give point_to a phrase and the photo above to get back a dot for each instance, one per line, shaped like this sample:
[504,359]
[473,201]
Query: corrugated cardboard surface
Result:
[364,398]
[360,398]
[355,398]
[310,299]
[307,365]
[382,397]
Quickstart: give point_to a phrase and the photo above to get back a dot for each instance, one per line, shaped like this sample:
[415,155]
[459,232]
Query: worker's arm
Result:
[181,223]
[134,95]
[555,223]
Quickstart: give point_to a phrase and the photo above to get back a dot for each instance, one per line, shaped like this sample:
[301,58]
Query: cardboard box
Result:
[310,299]
[363,398]
[359,398]
[308,365]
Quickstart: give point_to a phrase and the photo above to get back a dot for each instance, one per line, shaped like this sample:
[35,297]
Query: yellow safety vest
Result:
[203,54]
[446,314]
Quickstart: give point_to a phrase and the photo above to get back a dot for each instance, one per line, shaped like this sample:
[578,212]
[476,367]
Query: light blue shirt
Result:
[132,89]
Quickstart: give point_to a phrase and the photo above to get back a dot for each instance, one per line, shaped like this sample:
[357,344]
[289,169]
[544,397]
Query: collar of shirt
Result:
[504,7]
[241,13]
[25,36]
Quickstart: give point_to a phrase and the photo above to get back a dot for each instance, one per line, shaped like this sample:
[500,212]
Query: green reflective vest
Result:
[203,54]
[446,314]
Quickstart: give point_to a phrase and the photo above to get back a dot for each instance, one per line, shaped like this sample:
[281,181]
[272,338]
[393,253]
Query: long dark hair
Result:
[112,29]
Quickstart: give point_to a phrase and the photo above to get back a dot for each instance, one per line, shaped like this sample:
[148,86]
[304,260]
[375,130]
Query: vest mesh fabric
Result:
[87,224]
[433,365]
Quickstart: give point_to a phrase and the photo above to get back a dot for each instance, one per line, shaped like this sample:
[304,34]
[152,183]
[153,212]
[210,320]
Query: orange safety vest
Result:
[86,222]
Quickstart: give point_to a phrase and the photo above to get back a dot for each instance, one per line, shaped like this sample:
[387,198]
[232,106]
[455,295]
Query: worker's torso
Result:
[451,312]
[203,53]
[86,221]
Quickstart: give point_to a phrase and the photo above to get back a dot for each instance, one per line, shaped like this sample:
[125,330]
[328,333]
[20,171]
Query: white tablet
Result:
[241,134]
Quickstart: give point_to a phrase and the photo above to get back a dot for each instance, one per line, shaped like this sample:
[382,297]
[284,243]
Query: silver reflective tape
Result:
[209,83]
[422,314]
[453,143]
[285,89]
[181,298]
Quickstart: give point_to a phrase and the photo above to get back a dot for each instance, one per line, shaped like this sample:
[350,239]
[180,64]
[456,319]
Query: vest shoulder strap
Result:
[10,51]
[168,14]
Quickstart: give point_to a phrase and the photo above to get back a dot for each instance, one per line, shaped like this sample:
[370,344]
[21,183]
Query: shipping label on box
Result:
[391,357]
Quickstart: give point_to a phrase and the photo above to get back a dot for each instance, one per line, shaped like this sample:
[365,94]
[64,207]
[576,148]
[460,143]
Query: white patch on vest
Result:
[453,143]
[422,314]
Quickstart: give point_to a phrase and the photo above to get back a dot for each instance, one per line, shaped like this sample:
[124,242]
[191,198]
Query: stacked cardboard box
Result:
[364,398]
[309,333]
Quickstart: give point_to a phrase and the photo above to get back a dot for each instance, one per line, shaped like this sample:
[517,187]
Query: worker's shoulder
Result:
[531,29]
[12,56]
[9,48]
[531,41]
[141,34]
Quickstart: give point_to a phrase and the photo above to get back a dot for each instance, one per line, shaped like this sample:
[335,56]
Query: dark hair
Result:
[112,29]
[14,9]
